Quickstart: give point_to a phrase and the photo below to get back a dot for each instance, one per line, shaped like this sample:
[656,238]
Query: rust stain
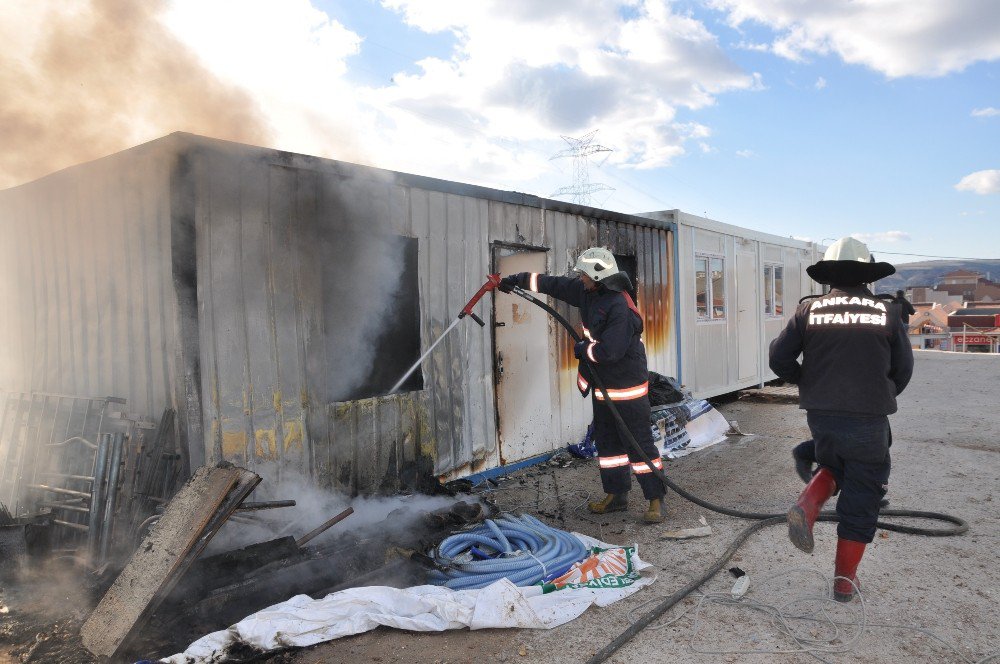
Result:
[276,398]
[293,435]
[234,445]
[265,445]
[519,315]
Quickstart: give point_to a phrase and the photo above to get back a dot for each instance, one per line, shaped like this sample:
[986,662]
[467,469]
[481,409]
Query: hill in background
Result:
[928,273]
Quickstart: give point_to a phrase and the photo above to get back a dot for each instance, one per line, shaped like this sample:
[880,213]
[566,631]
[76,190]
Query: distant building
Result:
[927,294]
[975,330]
[970,286]
[928,327]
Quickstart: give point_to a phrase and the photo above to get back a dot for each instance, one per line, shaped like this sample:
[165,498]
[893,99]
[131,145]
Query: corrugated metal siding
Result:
[261,320]
[85,282]
[184,272]
[565,236]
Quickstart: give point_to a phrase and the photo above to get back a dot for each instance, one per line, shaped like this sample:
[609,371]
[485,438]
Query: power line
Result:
[957,258]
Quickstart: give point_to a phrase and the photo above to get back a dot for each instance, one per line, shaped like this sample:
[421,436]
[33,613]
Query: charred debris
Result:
[104,547]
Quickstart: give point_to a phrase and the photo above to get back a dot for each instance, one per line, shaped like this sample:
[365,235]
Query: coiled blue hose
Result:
[527,551]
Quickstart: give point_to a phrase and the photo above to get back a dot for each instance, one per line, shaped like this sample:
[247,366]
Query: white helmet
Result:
[597,263]
[848,262]
[848,249]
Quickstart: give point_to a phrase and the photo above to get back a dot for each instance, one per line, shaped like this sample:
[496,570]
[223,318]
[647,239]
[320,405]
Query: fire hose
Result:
[528,552]
[763,519]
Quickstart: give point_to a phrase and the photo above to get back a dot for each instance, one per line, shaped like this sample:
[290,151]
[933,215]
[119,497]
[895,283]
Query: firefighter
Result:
[612,329]
[856,359]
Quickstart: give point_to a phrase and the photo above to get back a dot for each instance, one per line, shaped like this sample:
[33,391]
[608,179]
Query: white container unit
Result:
[736,290]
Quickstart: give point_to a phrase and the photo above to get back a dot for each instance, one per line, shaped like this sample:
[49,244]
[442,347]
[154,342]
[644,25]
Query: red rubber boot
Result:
[803,514]
[849,555]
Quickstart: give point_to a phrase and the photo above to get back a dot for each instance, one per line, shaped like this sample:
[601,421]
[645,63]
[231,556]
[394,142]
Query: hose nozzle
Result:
[492,281]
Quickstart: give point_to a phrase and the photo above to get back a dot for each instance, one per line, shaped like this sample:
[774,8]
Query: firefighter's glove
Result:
[509,283]
[580,349]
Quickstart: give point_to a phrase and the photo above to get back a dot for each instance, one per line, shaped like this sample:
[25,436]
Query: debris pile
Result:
[170,590]
[82,476]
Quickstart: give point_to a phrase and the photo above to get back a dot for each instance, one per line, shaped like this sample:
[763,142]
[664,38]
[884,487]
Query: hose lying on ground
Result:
[526,551]
[763,519]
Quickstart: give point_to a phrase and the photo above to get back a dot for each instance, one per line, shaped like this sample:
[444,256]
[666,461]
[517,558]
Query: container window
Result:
[710,287]
[769,290]
[773,290]
[718,287]
[371,317]
[779,288]
[701,287]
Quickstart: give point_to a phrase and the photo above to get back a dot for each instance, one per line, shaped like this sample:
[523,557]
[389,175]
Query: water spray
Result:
[492,281]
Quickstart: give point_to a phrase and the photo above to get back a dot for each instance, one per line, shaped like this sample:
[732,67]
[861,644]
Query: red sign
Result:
[972,339]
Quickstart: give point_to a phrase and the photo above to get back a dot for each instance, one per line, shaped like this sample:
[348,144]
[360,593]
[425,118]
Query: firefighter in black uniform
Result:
[856,358]
[612,329]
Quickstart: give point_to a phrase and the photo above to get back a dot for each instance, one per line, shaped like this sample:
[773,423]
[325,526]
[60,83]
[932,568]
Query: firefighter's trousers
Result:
[856,451]
[616,458]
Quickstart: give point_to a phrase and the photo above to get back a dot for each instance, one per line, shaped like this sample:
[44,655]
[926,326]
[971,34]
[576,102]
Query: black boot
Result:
[805,466]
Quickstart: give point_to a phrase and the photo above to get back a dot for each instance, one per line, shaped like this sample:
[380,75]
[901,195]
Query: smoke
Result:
[86,78]
[370,295]
[314,507]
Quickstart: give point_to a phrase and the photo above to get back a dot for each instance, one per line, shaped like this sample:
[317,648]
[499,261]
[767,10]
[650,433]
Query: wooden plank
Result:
[190,520]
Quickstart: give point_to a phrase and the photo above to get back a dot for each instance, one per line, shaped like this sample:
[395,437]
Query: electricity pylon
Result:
[580,149]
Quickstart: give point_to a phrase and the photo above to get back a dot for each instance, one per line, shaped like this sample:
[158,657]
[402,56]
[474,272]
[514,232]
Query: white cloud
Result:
[521,73]
[820,83]
[981,182]
[895,37]
[291,57]
[883,236]
[746,154]
[987,112]
[575,67]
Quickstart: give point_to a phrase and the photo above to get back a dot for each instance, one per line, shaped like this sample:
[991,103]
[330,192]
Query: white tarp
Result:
[302,621]
[706,430]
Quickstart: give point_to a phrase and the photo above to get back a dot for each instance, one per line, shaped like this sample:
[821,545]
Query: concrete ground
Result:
[926,599]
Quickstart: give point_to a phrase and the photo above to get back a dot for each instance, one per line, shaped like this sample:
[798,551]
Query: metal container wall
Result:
[186,273]
[711,364]
[86,292]
[256,212]
[565,235]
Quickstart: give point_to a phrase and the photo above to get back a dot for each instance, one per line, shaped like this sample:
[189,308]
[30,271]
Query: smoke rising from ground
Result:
[83,79]
[314,506]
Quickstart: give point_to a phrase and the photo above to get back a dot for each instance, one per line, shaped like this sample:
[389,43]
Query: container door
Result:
[747,332]
[523,366]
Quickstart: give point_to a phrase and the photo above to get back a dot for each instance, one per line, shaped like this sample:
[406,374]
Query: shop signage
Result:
[972,339]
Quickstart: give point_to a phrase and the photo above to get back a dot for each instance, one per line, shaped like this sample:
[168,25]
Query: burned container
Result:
[274,298]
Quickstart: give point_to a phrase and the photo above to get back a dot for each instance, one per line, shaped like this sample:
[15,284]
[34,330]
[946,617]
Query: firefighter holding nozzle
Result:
[612,329]
[856,359]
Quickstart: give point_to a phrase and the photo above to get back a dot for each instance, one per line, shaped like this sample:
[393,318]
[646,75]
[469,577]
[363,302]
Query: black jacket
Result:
[856,355]
[613,326]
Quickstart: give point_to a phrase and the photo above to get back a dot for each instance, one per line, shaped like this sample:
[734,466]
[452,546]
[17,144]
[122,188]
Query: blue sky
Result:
[819,149]
[813,119]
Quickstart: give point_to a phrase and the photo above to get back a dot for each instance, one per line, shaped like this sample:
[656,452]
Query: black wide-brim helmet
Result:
[848,262]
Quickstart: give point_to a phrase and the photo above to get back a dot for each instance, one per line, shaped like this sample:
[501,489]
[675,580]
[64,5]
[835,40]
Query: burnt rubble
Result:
[168,594]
